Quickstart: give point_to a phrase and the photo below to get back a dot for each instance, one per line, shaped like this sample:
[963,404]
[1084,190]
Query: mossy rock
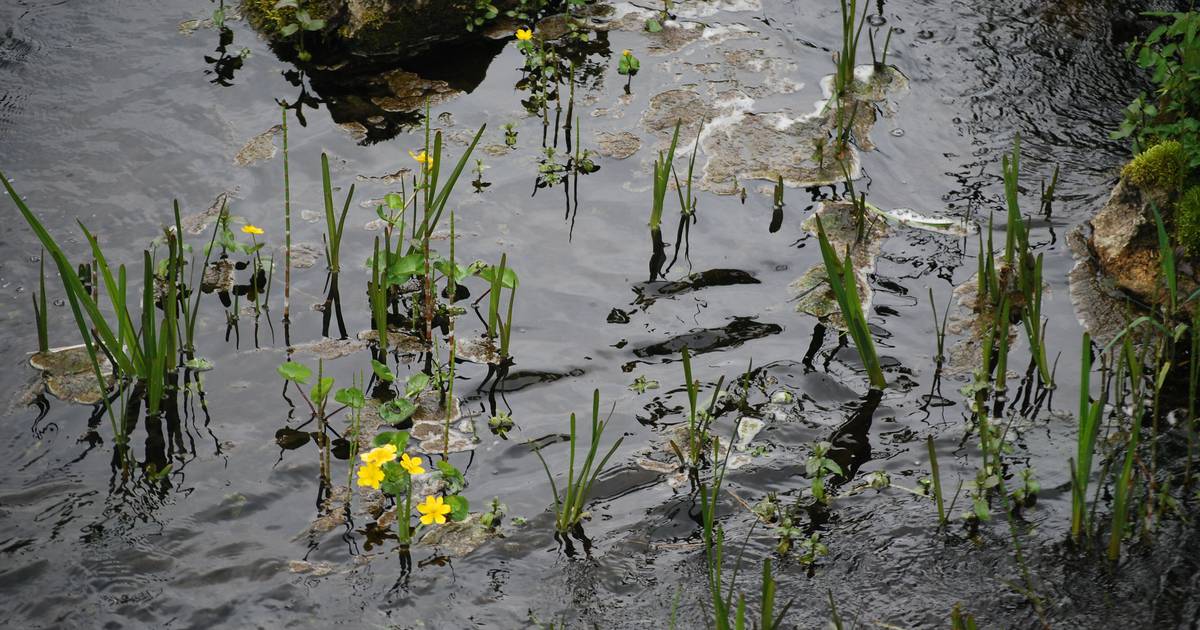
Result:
[1161,168]
[1187,222]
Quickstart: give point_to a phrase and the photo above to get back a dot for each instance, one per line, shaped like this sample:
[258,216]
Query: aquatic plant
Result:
[40,315]
[662,177]
[287,224]
[382,469]
[1019,260]
[696,438]
[841,278]
[1162,166]
[846,59]
[1171,52]
[818,467]
[1090,415]
[726,615]
[936,478]
[570,504]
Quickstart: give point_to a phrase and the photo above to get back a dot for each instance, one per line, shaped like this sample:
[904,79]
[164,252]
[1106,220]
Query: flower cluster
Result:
[371,474]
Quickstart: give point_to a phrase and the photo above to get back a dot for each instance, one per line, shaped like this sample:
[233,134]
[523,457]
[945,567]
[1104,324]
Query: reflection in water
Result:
[225,65]
[732,335]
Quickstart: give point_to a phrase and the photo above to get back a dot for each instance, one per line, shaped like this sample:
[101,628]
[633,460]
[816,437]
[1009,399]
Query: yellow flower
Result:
[524,34]
[250,229]
[626,53]
[433,510]
[379,456]
[370,476]
[411,464]
[422,159]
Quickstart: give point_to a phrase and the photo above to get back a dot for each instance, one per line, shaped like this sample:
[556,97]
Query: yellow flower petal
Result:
[250,229]
[370,476]
[411,464]
[626,53]
[524,34]
[380,455]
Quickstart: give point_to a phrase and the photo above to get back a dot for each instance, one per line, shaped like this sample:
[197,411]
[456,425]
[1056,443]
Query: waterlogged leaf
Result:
[509,281]
[461,272]
[382,371]
[416,384]
[831,466]
[459,508]
[397,410]
[199,364]
[399,439]
[980,508]
[454,479]
[352,397]
[321,389]
[401,268]
[295,372]
[653,26]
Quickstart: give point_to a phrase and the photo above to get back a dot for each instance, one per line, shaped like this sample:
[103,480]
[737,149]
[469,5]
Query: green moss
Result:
[264,17]
[1161,167]
[1187,221]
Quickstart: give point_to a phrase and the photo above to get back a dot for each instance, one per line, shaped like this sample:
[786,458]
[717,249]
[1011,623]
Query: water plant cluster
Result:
[399,416]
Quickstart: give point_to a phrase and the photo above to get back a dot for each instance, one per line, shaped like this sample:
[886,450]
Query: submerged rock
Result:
[435,426]
[330,349]
[69,376]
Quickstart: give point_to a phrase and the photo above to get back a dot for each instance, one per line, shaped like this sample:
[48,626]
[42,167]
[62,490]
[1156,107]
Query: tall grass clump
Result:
[1027,268]
[570,503]
[663,167]
[696,440]
[1090,415]
[840,273]
[847,57]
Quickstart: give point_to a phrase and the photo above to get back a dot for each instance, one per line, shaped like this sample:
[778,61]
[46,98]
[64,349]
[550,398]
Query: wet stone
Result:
[430,422]
[330,349]
[618,145]
[304,255]
[477,350]
[458,538]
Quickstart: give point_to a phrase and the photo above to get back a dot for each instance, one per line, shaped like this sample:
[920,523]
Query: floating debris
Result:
[259,148]
[304,255]
[477,350]
[411,92]
[459,538]
[197,223]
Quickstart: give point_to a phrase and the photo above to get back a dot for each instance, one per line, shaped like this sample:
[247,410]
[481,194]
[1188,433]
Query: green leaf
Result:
[508,281]
[199,364]
[394,201]
[321,389]
[459,508]
[454,479]
[653,26]
[382,371]
[397,410]
[351,397]
[399,439]
[401,268]
[295,372]
[289,30]
[314,25]
[416,384]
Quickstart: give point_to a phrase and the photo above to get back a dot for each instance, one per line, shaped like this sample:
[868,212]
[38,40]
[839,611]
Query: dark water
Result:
[108,112]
